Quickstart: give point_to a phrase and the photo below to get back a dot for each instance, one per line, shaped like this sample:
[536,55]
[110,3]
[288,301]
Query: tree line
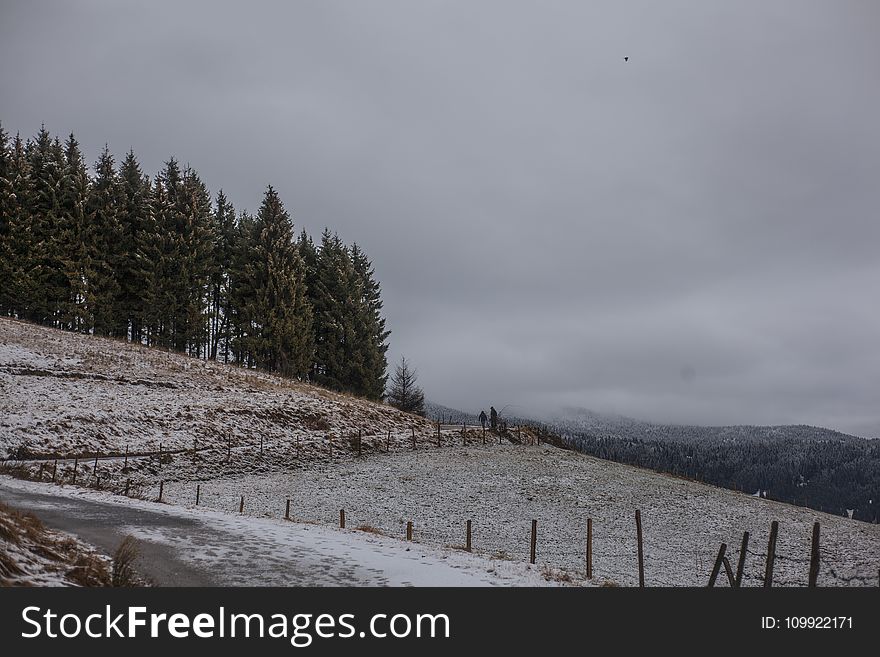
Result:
[831,475]
[157,261]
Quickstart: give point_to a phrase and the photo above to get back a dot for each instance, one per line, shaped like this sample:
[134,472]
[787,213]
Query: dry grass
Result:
[52,553]
[502,555]
[315,422]
[15,526]
[123,573]
[89,570]
[554,575]
[370,530]
[8,568]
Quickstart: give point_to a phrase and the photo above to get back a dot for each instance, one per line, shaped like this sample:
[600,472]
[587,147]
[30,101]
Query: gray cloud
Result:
[551,225]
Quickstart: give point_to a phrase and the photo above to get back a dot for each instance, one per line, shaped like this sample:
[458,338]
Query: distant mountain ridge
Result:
[576,420]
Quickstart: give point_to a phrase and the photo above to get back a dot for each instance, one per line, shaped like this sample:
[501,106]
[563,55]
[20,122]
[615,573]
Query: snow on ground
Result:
[501,489]
[31,555]
[248,550]
[64,393]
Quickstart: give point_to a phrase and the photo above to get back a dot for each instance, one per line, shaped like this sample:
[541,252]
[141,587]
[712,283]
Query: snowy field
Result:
[501,489]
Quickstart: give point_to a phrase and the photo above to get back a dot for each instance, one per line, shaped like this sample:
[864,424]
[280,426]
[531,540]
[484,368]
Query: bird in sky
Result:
[626,59]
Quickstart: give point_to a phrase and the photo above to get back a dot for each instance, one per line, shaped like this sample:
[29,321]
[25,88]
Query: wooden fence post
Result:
[589,548]
[241,505]
[95,468]
[814,557]
[740,567]
[438,433]
[228,450]
[463,434]
[534,542]
[161,489]
[467,545]
[409,530]
[727,569]
[125,463]
[484,435]
[641,552]
[388,442]
[198,493]
[54,470]
[414,437]
[75,468]
[718,563]
[331,447]
[771,554]
[342,518]
[287,510]
[127,486]
[40,475]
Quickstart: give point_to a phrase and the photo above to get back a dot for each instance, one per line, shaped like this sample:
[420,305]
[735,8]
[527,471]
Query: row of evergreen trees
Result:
[118,254]
[822,474]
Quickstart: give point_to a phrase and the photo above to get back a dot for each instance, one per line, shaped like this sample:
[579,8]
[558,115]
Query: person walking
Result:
[493,417]
[483,418]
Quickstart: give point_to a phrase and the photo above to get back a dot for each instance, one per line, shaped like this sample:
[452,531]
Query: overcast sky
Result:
[689,236]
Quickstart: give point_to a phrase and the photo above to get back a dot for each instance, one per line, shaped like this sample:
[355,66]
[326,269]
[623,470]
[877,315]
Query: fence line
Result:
[596,561]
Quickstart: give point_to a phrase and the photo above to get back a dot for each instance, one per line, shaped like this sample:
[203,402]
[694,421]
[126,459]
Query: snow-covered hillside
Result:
[72,394]
[68,394]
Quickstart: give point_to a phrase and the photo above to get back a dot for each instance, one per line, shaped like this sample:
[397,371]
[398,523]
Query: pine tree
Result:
[332,298]
[103,288]
[224,231]
[242,278]
[273,310]
[16,195]
[371,338]
[196,248]
[131,225]
[160,267]
[45,284]
[74,239]
[404,393]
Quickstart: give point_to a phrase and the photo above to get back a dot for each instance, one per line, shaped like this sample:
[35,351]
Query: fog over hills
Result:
[582,420]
